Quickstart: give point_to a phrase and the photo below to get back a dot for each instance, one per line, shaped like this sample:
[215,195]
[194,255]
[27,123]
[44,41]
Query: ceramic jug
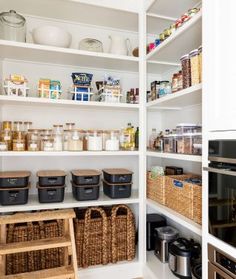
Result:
[119,45]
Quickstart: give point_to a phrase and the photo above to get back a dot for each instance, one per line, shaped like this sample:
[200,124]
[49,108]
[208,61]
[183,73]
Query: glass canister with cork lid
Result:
[19,142]
[95,140]
[6,136]
[75,140]
[112,142]
[33,140]
[57,137]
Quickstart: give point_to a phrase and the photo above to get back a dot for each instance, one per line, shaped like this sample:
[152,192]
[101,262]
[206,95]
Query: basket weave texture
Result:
[156,188]
[104,235]
[35,260]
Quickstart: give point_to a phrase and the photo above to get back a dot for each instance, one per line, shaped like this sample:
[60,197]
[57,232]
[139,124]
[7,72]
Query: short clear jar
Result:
[95,141]
[33,140]
[47,144]
[112,142]
[75,142]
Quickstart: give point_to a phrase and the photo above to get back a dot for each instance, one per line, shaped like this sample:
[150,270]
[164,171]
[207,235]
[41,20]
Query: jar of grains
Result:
[33,140]
[95,141]
[75,142]
[6,137]
[186,70]
[112,142]
[200,63]
[195,73]
[47,144]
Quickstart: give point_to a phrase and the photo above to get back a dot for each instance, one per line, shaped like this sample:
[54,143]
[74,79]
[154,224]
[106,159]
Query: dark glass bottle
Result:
[137,138]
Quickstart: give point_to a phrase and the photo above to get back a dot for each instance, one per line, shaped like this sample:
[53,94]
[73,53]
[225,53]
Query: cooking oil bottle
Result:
[128,138]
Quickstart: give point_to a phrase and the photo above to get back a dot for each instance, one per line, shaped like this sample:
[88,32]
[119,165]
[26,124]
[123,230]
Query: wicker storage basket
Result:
[104,235]
[36,260]
[184,197]
[156,188]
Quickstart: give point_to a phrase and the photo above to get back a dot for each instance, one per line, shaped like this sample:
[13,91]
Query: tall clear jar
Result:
[58,129]
[6,137]
[186,70]
[112,142]
[85,140]
[95,141]
[75,142]
[57,142]
[7,125]
[169,144]
[18,126]
[179,144]
[200,63]
[70,126]
[66,136]
[27,126]
[33,140]
[195,72]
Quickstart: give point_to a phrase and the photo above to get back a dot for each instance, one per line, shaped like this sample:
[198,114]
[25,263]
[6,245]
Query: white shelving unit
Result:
[174,156]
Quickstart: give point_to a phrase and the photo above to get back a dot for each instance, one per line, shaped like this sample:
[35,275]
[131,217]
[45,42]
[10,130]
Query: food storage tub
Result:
[170,144]
[95,141]
[86,177]
[51,178]
[197,144]
[14,179]
[51,194]
[85,192]
[14,196]
[111,140]
[184,144]
[117,190]
[117,175]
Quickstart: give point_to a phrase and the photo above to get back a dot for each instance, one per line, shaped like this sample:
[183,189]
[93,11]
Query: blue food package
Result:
[81,94]
[83,79]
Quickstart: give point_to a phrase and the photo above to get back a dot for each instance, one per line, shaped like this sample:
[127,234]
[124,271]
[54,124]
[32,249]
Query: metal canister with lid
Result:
[163,237]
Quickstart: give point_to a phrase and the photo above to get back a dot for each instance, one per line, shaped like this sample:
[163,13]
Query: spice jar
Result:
[7,125]
[194,60]
[175,83]
[18,144]
[47,144]
[186,70]
[70,126]
[75,142]
[112,141]
[6,137]
[200,63]
[95,141]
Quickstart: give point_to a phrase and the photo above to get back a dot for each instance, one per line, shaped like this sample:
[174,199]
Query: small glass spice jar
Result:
[112,142]
[95,140]
[195,73]
[7,125]
[186,70]
[75,142]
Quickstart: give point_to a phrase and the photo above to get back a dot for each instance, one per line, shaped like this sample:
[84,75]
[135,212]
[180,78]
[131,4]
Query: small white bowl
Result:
[51,36]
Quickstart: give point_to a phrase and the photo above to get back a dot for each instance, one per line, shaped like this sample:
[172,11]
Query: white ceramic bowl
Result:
[51,36]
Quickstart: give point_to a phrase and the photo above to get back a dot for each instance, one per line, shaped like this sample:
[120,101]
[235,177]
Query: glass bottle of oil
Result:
[128,138]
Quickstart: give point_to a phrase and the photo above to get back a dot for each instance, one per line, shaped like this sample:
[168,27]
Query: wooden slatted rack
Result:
[67,241]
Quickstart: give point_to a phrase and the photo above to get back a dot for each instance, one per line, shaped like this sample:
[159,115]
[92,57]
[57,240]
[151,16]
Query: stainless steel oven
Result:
[220,265]
[222,190]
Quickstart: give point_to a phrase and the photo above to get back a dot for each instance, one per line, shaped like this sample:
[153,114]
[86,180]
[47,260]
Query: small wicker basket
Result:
[156,190]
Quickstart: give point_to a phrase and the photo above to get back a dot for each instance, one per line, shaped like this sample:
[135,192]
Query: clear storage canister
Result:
[179,144]
[200,63]
[47,144]
[6,137]
[186,71]
[188,144]
[3,146]
[27,125]
[18,144]
[33,140]
[169,144]
[66,135]
[112,142]
[197,144]
[95,141]
[58,142]
[75,142]
[195,72]
[7,125]
[185,128]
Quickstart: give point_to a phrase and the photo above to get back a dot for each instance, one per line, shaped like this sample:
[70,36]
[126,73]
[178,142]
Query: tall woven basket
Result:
[104,235]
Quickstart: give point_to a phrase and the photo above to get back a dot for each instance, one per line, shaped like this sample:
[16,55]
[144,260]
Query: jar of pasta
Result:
[75,142]
[194,61]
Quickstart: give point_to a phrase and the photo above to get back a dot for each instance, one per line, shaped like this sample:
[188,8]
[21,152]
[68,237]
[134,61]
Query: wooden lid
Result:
[50,173]
[117,171]
[14,174]
[85,172]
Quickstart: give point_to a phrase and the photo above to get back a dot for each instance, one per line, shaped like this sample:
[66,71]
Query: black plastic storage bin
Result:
[51,194]
[85,192]
[51,178]
[118,190]
[86,177]
[117,175]
[14,196]
[14,179]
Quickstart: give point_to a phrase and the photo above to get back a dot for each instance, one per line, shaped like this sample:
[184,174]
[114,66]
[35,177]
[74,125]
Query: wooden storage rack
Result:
[65,272]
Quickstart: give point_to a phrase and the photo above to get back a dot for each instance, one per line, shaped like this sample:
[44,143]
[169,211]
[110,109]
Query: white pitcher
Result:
[119,45]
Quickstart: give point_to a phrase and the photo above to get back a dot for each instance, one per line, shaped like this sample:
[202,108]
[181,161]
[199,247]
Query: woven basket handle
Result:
[87,221]
[130,234]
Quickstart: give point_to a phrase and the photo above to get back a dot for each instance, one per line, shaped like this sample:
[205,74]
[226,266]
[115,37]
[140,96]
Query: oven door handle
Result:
[220,171]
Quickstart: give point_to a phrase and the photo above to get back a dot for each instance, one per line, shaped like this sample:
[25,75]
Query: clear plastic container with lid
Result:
[200,63]
[197,144]
[169,143]
[75,140]
[95,140]
[186,70]
[112,142]
[195,71]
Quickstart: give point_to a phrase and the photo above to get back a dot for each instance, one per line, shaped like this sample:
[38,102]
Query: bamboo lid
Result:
[117,171]
[85,172]
[50,173]
[14,174]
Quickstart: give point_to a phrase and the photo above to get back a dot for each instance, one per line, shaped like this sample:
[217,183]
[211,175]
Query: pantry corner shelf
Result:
[182,41]
[66,153]
[70,202]
[34,101]
[181,99]
[183,157]
[176,217]
[66,56]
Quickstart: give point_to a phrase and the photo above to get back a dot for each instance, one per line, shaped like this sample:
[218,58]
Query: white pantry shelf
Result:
[175,156]
[176,217]
[66,153]
[96,13]
[184,98]
[155,269]
[69,202]
[66,56]
[34,101]
[182,41]
[156,23]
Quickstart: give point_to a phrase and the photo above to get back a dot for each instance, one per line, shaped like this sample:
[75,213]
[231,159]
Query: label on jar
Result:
[7,138]
[19,145]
